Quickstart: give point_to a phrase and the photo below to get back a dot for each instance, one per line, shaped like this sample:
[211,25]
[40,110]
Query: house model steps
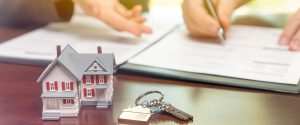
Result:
[73,80]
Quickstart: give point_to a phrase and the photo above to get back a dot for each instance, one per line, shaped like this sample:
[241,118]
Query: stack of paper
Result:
[84,34]
[249,53]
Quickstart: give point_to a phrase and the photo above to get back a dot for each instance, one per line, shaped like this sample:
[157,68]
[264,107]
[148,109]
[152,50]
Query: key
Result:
[136,113]
[166,107]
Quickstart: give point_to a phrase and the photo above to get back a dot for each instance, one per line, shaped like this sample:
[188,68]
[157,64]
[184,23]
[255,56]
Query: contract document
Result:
[84,34]
[248,53]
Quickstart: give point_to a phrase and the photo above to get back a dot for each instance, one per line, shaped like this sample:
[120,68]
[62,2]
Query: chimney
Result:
[99,49]
[58,50]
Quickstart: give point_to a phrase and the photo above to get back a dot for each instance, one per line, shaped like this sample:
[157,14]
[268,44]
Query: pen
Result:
[212,10]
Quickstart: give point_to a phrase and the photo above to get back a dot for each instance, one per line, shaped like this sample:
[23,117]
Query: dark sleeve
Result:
[131,3]
[35,11]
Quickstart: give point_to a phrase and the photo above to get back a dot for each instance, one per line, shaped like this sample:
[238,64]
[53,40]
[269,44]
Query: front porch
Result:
[69,111]
[56,107]
[56,114]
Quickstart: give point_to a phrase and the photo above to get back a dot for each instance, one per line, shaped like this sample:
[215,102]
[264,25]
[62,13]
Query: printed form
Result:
[84,34]
[248,53]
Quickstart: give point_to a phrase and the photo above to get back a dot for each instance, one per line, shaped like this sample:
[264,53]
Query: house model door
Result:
[101,94]
[52,104]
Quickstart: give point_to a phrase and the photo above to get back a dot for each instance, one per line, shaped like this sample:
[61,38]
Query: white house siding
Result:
[88,85]
[59,74]
[68,110]
[109,90]
[65,110]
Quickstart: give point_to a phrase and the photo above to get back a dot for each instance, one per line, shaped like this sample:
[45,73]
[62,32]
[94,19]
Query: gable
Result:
[95,66]
[59,73]
[85,63]
[47,70]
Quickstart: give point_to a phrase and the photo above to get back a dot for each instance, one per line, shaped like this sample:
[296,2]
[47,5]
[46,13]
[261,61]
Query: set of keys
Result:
[143,111]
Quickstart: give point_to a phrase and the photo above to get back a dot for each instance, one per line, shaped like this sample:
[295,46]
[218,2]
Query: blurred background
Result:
[273,13]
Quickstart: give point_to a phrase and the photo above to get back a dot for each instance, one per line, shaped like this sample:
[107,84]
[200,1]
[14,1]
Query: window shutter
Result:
[97,78]
[48,86]
[92,78]
[84,79]
[93,92]
[72,101]
[63,86]
[105,78]
[84,92]
[64,101]
[55,85]
[71,85]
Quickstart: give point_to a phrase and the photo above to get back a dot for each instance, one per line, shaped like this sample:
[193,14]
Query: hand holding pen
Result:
[202,21]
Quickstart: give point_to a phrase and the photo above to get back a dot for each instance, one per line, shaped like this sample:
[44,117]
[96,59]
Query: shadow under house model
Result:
[73,80]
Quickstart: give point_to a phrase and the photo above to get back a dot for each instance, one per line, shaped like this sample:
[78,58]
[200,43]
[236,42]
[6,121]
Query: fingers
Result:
[117,16]
[139,19]
[136,14]
[146,29]
[136,10]
[295,42]
[197,19]
[225,10]
[123,10]
[291,33]
[122,24]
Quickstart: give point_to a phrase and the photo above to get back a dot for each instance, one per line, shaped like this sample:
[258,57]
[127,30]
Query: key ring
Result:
[145,94]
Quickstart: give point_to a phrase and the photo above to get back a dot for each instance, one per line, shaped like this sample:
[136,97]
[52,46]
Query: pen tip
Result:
[221,35]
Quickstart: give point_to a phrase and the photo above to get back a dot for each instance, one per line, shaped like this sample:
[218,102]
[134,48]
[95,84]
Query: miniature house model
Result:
[73,80]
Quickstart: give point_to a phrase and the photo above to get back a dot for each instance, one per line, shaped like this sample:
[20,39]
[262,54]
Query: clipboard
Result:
[210,79]
[168,59]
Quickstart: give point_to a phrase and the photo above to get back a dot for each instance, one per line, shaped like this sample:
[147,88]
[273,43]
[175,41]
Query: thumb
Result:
[225,10]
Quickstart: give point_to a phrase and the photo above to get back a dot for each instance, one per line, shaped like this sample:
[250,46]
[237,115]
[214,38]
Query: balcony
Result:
[101,86]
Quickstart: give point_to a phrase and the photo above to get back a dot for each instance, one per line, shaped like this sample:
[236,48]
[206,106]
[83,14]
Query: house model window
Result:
[96,66]
[68,101]
[88,79]
[52,87]
[89,92]
[101,79]
[67,85]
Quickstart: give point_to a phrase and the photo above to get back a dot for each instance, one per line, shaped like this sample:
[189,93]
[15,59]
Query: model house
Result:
[73,80]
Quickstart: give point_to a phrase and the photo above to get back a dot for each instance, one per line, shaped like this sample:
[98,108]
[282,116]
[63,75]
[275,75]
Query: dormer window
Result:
[95,67]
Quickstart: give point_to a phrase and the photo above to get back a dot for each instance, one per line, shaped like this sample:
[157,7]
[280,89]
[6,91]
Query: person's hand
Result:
[200,23]
[113,13]
[291,33]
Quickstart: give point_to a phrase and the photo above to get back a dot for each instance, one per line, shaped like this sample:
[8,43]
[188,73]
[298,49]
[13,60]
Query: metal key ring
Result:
[147,93]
